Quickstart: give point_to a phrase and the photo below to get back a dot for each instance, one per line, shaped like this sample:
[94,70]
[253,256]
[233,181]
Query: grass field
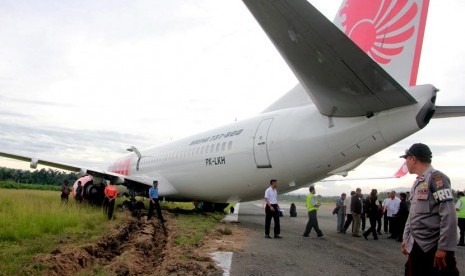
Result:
[34,222]
[23,186]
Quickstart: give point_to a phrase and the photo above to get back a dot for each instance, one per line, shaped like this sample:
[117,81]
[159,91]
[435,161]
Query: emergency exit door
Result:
[260,148]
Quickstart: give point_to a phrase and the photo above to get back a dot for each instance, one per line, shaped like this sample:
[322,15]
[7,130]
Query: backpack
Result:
[335,210]
[293,210]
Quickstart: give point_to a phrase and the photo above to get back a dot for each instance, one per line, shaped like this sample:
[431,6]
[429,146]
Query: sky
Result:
[81,81]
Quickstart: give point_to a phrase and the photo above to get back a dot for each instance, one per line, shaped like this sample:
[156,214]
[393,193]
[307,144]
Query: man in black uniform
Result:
[430,235]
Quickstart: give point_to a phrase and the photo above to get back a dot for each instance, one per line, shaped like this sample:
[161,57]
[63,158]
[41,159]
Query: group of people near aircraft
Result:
[424,220]
[354,210]
[109,194]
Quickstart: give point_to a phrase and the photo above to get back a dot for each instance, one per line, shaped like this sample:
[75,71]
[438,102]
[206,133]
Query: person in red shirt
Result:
[110,195]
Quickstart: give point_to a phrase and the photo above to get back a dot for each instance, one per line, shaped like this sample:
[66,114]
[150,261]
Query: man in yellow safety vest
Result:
[312,207]
[460,207]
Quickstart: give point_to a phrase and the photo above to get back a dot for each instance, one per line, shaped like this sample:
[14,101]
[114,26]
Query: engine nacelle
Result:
[92,192]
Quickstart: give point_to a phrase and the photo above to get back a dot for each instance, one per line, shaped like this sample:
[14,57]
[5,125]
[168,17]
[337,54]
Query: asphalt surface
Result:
[336,254]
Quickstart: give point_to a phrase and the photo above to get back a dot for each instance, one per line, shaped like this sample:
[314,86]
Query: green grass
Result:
[23,186]
[175,205]
[33,222]
[36,222]
[193,227]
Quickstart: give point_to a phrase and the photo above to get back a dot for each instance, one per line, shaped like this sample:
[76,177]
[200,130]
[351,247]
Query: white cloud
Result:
[97,71]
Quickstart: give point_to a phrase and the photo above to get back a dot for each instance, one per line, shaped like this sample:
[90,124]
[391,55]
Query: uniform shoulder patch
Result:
[438,181]
[440,187]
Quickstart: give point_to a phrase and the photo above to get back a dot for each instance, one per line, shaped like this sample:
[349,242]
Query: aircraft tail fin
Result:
[389,31]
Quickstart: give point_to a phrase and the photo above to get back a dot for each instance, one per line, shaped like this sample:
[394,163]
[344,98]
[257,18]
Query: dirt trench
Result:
[136,248]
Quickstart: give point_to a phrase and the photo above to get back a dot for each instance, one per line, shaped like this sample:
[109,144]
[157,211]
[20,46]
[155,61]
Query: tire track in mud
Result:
[137,248]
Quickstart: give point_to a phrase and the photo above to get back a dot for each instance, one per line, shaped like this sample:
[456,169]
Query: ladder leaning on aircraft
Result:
[356,96]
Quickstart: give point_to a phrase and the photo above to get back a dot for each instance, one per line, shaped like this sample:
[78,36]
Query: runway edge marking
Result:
[224,259]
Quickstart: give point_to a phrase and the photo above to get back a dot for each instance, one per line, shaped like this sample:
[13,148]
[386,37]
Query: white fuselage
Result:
[297,146]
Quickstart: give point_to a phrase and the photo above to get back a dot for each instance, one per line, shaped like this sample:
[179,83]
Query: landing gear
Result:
[214,207]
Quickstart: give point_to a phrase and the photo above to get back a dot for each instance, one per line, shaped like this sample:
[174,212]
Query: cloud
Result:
[81,81]
[84,148]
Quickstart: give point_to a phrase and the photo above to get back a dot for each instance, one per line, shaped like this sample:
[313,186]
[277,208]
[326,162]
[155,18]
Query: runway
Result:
[336,254]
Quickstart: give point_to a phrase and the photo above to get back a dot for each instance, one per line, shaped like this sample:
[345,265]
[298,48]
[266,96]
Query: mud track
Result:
[136,248]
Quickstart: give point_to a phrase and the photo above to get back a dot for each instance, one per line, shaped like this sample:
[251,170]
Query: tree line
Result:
[42,176]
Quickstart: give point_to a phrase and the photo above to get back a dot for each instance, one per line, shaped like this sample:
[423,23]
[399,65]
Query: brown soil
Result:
[142,248]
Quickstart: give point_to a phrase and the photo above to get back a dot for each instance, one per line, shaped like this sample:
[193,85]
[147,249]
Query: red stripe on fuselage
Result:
[121,167]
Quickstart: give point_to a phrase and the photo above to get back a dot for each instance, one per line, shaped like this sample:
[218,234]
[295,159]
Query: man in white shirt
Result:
[272,210]
[347,203]
[385,218]
[392,207]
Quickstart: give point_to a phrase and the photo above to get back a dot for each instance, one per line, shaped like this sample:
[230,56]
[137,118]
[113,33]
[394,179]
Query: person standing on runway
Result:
[460,208]
[272,210]
[341,213]
[372,212]
[347,203]
[312,207]
[430,235]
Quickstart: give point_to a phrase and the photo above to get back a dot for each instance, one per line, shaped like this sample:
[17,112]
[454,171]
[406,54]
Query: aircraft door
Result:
[260,148]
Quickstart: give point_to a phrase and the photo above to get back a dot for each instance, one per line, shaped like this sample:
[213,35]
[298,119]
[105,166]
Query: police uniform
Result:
[431,225]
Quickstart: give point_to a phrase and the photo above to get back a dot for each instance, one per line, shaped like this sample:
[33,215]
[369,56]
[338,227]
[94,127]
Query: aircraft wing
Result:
[139,184]
[35,161]
[340,78]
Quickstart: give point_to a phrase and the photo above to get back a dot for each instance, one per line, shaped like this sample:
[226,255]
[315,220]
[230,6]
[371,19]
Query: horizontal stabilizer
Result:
[341,79]
[344,170]
[448,111]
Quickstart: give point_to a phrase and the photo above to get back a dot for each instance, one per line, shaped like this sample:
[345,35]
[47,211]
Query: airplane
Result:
[356,96]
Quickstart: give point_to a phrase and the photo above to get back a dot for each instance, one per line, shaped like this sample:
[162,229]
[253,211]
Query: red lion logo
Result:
[379,27]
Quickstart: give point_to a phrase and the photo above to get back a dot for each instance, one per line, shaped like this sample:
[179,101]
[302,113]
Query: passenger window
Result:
[230,145]
[223,146]
[218,147]
[213,147]
[202,150]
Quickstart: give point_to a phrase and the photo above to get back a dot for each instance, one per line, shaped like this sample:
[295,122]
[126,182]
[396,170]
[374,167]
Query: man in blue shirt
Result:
[153,195]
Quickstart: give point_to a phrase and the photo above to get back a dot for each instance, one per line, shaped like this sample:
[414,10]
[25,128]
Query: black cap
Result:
[155,182]
[419,150]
